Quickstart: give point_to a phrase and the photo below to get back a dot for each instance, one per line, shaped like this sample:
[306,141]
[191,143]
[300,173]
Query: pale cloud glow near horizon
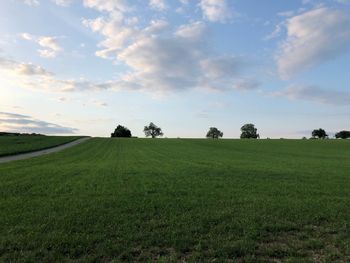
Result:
[85,66]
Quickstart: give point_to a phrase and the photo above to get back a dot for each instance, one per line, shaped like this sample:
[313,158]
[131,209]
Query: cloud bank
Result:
[12,122]
[164,59]
[159,58]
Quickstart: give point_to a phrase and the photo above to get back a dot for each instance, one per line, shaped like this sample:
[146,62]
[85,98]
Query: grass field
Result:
[179,200]
[10,145]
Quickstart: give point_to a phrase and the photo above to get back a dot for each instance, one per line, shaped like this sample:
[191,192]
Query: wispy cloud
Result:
[159,5]
[216,10]
[31,2]
[23,69]
[30,76]
[50,46]
[57,2]
[62,2]
[315,94]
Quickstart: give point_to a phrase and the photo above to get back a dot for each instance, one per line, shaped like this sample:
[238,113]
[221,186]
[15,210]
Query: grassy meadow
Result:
[179,200]
[10,145]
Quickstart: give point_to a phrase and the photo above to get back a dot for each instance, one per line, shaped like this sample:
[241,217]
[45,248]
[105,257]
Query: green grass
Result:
[177,200]
[10,145]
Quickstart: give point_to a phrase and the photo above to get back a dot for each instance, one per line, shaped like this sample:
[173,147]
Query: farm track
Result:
[23,156]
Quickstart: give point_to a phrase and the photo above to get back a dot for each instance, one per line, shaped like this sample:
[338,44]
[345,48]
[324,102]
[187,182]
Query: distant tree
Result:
[152,130]
[20,134]
[121,131]
[214,133]
[249,132]
[304,138]
[320,133]
[342,135]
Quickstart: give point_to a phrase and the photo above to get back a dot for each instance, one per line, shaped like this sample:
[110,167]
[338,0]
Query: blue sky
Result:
[84,66]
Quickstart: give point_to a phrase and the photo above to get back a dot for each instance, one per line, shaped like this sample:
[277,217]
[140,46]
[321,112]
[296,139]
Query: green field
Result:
[174,200]
[10,145]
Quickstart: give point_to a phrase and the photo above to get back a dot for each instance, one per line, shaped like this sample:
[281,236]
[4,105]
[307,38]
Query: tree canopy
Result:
[152,130]
[319,133]
[121,131]
[249,132]
[342,135]
[214,133]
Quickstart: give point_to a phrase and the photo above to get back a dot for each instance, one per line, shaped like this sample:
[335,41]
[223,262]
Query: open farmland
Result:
[179,200]
[10,145]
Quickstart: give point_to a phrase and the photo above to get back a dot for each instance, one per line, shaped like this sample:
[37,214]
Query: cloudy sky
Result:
[84,66]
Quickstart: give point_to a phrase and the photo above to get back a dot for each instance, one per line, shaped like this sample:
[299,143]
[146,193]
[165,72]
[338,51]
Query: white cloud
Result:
[30,76]
[32,2]
[50,46]
[176,54]
[227,73]
[184,5]
[314,37]
[6,62]
[57,2]
[194,31]
[30,69]
[276,32]
[216,10]
[120,33]
[219,67]
[115,31]
[132,21]
[159,5]
[22,69]
[119,6]
[161,63]
[62,2]
[27,36]
[315,94]
[156,27]
[182,61]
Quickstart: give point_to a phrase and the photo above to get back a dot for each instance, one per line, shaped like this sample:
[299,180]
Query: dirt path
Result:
[22,156]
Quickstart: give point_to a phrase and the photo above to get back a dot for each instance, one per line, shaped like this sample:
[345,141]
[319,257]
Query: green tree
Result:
[319,133]
[249,132]
[214,133]
[121,131]
[342,135]
[152,130]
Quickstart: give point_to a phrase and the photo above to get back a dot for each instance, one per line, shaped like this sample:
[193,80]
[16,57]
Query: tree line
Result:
[20,134]
[248,131]
[151,130]
[322,134]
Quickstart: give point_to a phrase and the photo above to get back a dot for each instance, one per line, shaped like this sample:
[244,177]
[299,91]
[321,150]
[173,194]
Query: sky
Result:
[84,66]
